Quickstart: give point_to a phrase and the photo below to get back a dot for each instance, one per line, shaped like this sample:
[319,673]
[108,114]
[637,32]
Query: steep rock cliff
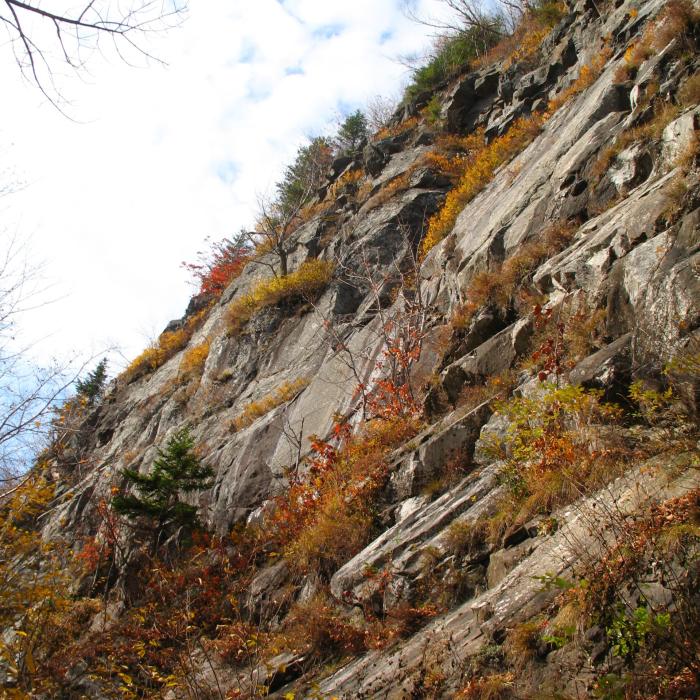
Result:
[605,169]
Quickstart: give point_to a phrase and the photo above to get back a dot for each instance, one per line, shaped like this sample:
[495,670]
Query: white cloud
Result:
[166,156]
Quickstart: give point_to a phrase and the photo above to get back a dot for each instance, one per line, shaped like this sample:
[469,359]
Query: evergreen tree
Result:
[175,470]
[92,387]
[304,176]
[351,133]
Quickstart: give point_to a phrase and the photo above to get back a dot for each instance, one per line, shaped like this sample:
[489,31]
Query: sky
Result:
[155,158]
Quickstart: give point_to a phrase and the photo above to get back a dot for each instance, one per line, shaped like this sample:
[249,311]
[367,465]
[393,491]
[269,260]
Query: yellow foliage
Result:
[168,344]
[337,533]
[351,177]
[193,361]
[484,159]
[398,184]
[525,41]
[326,518]
[479,167]
[396,130]
[444,164]
[255,409]
[498,286]
[31,596]
[586,77]
[527,47]
[560,445]
[305,283]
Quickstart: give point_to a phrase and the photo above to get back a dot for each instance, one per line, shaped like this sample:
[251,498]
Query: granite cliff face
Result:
[610,164]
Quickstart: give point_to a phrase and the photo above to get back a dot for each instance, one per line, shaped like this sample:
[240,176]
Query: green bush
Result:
[451,55]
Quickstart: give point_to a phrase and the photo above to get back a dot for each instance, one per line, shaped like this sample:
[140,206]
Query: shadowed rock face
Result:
[628,257]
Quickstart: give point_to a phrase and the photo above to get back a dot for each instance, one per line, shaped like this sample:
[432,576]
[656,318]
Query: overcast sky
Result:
[161,157]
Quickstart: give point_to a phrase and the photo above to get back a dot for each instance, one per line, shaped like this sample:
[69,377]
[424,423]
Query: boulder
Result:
[632,166]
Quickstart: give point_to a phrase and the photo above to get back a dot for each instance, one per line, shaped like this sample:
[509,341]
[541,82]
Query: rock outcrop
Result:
[625,280]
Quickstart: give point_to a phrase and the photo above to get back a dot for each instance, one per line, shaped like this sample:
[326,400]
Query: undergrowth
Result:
[484,158]
[303,284]
[167,346]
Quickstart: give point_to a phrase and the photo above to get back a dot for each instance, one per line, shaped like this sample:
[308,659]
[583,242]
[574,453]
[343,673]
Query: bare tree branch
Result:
[42,39]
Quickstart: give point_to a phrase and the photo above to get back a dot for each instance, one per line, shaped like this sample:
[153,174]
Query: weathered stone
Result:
[490,358]
[608,369]
[487,83]
[410,506]
[454,441]
[516,597]
[678,136]
[632,167]
[639,258]
[505,560]
[532,83]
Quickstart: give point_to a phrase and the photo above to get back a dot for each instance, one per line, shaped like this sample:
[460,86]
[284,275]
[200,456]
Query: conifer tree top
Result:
[175,470]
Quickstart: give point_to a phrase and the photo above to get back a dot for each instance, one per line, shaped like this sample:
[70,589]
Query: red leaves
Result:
[218,266]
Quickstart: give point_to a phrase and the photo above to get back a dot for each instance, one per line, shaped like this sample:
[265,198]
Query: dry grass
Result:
[673,24]
[498,686]
[522,46]
[256,409]
[664,114]
[348,182]
[498,287]
[398,184]
[168,345]
[397,129]
[318,629]
[334,536]
[689,93]
[676,190]
[193,361]
[464,537]
[305,283]
[562,444]
[494,387]
[521,644]
[327,516]
[484,159]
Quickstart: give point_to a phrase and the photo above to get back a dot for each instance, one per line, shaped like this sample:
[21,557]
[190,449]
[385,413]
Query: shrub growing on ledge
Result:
[552,452]
[481,163]
[168,344]
[216,268]
[304,284]
[193,362]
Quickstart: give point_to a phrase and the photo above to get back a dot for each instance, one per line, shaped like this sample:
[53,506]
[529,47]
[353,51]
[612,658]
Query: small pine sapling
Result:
[175,470]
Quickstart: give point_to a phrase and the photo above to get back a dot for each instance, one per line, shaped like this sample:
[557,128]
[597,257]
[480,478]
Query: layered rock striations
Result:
[622,183]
